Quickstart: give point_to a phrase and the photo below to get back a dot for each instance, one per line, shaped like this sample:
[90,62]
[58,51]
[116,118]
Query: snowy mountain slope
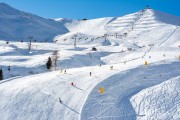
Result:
[167,31]
[159,102]
[164,18]
[18,25]
[173,39]
[94,26]
[140,22]
[152,56]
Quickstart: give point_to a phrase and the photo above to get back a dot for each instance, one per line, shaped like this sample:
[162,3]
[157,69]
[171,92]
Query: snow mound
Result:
[159,102]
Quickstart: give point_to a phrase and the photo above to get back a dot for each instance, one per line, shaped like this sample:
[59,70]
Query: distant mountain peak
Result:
[8,10]
[3,4]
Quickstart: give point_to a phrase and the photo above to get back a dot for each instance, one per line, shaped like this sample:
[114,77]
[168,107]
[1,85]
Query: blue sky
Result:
[79,9]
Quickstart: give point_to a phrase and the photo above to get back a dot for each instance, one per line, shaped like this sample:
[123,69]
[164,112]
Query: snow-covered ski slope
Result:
[132,90]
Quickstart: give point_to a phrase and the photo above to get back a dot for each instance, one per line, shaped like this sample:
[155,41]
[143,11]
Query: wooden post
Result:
[75,36]
[30,40]
[105,36]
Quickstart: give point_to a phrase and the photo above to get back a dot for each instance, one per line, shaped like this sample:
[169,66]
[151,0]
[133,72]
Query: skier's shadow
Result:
[78,88]
[115,70]
[68,74]
[70,108]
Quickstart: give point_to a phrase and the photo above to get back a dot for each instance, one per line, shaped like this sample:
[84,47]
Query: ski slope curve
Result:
[115,102]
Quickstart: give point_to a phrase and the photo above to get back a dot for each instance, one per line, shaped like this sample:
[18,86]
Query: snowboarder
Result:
[90,73]
[60,100]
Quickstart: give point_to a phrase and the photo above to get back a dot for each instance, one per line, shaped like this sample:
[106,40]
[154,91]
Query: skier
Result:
[90,73]
[99,65]
[64,71]
[72,84]
[90,55]
[60,100]
[9,68]
[111,67]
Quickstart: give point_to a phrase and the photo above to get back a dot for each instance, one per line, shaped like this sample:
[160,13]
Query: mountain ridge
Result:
[19,25]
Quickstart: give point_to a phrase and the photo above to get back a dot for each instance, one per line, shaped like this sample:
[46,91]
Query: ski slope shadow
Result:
[115,103]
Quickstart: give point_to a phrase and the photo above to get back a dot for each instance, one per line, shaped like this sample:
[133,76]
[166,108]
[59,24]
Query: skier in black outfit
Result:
[60,100]
[9,69]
